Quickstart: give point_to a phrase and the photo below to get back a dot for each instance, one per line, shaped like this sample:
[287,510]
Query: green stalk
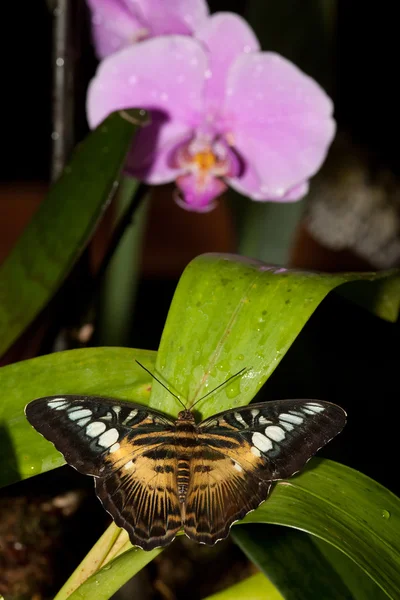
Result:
[118,294]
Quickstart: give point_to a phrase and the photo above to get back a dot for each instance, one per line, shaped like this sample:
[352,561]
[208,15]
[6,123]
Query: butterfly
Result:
[156,475]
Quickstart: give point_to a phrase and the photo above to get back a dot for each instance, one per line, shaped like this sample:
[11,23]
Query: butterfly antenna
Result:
[220,385]
[161,383]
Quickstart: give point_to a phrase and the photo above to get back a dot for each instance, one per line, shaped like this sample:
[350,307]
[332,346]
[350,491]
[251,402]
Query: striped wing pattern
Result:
[156,476]
[122,445]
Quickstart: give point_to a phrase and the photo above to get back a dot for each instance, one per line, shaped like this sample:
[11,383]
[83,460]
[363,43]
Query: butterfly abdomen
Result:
[186,440]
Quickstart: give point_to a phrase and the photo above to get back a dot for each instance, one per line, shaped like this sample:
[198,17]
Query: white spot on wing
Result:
[115,447]
[275,433]
[308,411]
[287,426]
[317,408]
[116,409]
[254,412]
[83,422]
[261,442]
[240,419]
[131,415]
[95,428]
[128,465]
[291,418]
[79,414]
[263,421]
[57,403]
[237,467]
[108,438]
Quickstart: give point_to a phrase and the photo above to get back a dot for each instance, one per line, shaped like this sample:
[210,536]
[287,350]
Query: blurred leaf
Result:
[298,568]
[265,229]
[229,312]
[121,278]
[382,297]
[256,587]
[101,371]
[63,224]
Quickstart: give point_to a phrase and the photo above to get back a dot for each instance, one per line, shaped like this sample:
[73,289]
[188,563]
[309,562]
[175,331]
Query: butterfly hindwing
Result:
[220,491]
[141,495]
[283,434]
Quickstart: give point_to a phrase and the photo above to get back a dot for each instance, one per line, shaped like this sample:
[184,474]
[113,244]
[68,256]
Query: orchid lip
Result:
[203,161]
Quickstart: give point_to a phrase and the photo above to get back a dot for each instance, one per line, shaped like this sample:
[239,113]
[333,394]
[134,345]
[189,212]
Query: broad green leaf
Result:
[345,508]
[256,587]
[63,224]
[229,312]
[297,567]
[101,371]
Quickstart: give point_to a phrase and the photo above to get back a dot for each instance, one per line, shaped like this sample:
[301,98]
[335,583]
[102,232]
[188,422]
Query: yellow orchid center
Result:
[205,160]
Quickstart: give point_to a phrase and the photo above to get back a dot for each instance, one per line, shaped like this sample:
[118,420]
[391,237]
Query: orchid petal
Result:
[281,122]
[115,25]
[177,16]
[199,198]
[164,74]
[226,36]
[250,184]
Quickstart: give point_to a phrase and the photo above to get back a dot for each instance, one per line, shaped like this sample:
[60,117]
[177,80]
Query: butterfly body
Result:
[156,475]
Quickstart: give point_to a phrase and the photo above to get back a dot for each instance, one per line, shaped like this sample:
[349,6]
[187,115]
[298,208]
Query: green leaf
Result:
[229,312]
[360,586]
[63,224]
[256,587]
[266,229]
[103,584]
[101,371]
[346,509]
[295,565]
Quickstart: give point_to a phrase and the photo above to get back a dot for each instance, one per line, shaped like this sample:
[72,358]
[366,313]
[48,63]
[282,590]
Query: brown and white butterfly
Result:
[156,475]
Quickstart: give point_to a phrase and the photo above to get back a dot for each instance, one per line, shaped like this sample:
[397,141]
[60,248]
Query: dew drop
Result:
[233,389]
[385,514]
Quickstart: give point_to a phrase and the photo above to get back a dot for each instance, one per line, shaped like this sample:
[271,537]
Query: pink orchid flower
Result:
[120,23]
[223,113]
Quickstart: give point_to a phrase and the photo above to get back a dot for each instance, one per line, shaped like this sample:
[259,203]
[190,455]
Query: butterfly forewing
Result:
[88,429]
[282,435]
